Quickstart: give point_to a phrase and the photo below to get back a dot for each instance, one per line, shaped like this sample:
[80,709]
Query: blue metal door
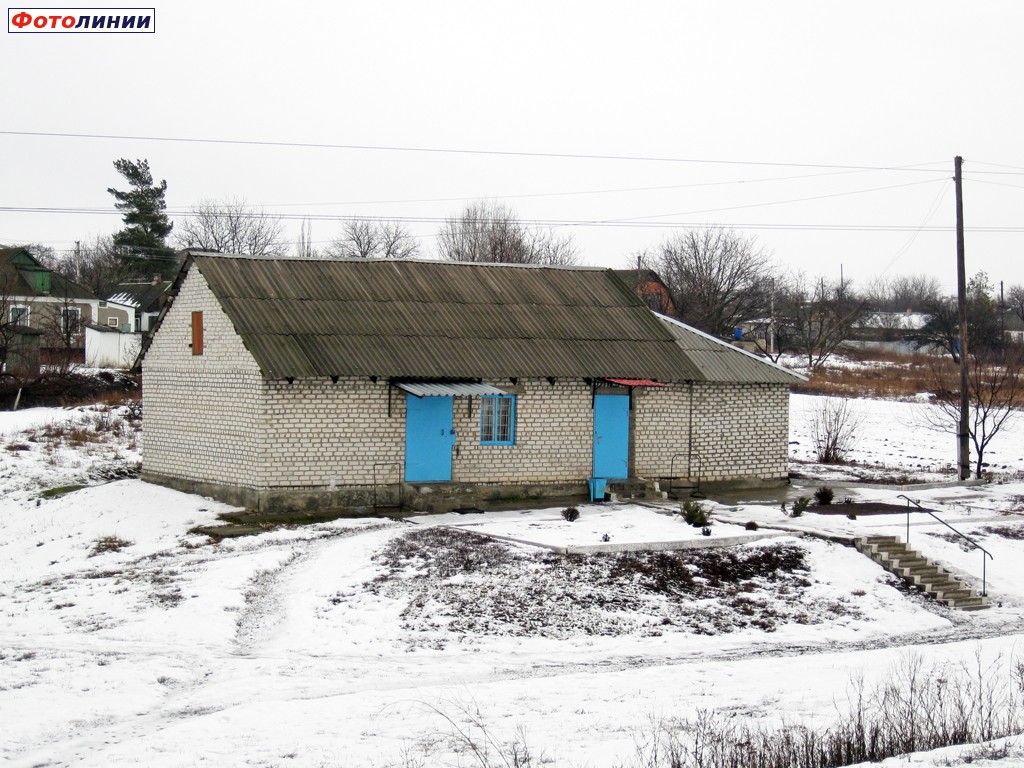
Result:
[429,438]
[611,436]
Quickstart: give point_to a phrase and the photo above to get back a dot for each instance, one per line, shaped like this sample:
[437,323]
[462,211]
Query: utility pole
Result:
[963,433]
[1002,315]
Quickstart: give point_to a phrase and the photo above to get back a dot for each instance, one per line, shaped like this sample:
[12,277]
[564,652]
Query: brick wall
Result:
[740,431]
[319,433]
[202,414]
[553,440]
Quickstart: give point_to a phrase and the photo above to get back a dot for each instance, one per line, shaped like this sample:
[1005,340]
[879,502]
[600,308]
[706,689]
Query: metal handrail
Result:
[984,590]
[672,472]
[401,486]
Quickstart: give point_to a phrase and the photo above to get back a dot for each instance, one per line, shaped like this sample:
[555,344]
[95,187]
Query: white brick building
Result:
[300,385]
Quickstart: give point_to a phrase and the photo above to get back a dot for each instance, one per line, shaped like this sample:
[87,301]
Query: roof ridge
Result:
[343,259]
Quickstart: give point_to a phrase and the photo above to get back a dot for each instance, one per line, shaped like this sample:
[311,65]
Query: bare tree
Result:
[64,332]
[816,317]
[374,239]
[903,293]
[97,266]
[396,242]
[996,392]
[304,247]
[983,326]
[718,279]
[232,227]
[489,231]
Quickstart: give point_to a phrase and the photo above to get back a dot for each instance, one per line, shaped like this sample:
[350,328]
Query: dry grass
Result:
[883,375]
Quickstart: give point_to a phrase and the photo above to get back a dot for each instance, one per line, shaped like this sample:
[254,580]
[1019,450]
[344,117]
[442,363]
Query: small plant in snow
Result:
[752,525]
[800,505]
[694,514]
[824,495]
[571,514]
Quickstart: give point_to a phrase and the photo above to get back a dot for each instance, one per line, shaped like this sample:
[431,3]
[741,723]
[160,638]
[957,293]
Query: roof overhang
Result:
[448,389]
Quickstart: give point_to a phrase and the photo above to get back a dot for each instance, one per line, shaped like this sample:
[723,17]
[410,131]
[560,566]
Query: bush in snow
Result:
[694,514]
[571,514]
[800,505]
[824,495]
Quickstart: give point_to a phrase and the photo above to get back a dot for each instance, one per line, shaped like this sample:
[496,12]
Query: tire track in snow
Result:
[263,611]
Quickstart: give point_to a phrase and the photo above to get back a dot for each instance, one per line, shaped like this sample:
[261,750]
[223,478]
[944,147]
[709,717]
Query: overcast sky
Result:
[827,130]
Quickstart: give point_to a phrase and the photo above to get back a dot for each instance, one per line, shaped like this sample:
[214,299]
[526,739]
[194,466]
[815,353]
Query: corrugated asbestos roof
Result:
[441,320]
[722,362]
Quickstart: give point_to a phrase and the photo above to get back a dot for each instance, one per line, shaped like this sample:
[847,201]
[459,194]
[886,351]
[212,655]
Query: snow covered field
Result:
[127,640]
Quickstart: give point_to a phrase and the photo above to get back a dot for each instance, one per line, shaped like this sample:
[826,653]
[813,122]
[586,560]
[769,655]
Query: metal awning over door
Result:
[448,389]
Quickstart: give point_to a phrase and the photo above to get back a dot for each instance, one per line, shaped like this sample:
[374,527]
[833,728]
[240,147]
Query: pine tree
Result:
[146,225]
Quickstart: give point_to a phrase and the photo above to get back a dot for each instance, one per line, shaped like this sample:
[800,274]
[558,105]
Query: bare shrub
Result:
[833,430]
[571,514]
[109,544]
[917,708]
[824,495]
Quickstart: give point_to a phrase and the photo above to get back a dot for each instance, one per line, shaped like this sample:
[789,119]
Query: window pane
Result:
[504,429]
[487,419]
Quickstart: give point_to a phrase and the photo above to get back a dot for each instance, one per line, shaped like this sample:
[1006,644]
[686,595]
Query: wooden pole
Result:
[963,432]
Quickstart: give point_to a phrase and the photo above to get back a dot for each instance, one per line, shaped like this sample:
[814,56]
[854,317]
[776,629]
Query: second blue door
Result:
[429,438]
[611,436]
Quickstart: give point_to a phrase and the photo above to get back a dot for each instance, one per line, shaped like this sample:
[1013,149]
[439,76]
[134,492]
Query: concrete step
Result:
[886,540]
[914,564]
[971,604]
[635,488]
[953,596]
[911,566]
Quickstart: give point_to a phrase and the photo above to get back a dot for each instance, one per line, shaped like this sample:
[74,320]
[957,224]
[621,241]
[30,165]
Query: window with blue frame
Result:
[497,420]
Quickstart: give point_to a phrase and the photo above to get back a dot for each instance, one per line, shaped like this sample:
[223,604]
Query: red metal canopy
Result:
[637,382]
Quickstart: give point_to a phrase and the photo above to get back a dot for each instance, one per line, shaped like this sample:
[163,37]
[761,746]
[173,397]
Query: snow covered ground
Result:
[127,640]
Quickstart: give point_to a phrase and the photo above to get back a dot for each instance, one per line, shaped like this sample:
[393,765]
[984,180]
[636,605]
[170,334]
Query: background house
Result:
[134,306]
[33,296]
[648,285]
[298,384]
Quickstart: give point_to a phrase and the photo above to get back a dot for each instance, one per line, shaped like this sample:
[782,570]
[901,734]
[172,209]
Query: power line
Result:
[996,183]
[458,151]
[777,202]
[932,210]
[561,194]
[227,212]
